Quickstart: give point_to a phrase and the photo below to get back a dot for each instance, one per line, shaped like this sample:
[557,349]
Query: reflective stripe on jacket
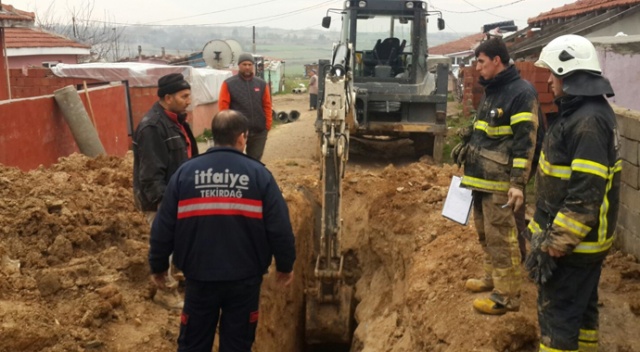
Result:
[503,142]
[224,218]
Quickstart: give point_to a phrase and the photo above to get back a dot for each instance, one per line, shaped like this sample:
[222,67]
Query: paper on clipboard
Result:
[457,206]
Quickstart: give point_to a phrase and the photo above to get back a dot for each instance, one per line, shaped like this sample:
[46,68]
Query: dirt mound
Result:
[73,254]
[74,273]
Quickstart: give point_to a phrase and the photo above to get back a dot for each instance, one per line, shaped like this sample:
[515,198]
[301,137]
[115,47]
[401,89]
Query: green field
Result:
[295,56]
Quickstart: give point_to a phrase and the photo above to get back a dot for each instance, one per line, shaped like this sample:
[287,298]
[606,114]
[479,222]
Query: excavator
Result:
[379,82]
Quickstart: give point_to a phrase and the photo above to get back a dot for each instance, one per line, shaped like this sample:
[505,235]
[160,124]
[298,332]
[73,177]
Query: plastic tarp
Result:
[205,83]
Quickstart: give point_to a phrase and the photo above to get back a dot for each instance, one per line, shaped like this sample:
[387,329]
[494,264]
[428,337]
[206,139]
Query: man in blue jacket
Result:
[224,218]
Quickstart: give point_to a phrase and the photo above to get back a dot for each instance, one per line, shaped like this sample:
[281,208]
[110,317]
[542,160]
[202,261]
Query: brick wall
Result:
[34,131]
[33,82]
[628,238]
[537,76]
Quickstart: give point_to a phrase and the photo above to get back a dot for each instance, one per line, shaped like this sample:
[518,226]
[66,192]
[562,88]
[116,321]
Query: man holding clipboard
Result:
[497,153]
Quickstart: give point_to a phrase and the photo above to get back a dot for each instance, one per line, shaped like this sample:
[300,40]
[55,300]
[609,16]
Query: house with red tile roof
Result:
[459,49]
[28,46]
[613,26]
[588,18]
[10,18]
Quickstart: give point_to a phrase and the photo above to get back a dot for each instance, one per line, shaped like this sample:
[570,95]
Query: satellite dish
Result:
[217,54]
[236,49]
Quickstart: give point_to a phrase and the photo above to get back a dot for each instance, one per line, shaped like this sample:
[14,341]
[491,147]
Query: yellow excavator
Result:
[372,86]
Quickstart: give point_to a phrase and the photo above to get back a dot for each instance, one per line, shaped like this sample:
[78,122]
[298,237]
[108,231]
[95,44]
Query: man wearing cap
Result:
[577,192]
[250,95]
[161,143]
[313,90]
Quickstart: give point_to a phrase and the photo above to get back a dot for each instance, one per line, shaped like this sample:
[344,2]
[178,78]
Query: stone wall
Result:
[628,234]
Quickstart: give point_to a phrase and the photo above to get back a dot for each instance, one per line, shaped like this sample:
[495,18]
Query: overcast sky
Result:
[461,16]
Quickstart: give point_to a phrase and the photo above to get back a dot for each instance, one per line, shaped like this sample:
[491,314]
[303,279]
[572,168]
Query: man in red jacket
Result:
[250,95]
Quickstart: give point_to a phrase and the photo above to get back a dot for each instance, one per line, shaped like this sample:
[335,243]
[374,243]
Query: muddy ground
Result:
[74,277]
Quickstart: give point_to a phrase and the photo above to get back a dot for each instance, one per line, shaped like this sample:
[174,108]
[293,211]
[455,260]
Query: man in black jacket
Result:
[224,218]
[577,191]
[161,143]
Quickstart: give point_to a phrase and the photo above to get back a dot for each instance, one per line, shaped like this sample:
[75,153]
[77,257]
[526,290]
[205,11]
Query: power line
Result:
[211,13]
[255,20]
[479,9]
[492,14]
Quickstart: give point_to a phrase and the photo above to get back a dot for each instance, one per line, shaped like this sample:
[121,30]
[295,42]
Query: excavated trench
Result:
[74,272]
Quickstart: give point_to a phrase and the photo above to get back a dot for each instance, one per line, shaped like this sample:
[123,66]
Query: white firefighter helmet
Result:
[569,53]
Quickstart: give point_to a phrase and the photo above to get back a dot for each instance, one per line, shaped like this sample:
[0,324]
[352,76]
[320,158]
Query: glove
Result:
[459,153]
[539,263]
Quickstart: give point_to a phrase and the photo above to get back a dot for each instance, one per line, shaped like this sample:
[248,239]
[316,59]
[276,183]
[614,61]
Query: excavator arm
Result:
[329,305]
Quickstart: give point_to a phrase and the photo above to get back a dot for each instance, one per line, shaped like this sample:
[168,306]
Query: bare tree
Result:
[104,36]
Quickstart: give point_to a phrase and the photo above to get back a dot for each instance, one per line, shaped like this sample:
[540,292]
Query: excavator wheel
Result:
[330,322]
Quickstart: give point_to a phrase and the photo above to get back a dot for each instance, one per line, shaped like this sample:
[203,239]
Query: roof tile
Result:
[580,7]
[457,46]
[10,13]
[16,38]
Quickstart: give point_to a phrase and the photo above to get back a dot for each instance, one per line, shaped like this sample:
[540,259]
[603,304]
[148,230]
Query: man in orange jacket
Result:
[250,95]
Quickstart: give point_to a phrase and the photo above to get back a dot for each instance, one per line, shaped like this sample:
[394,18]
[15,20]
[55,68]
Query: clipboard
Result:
[457,205]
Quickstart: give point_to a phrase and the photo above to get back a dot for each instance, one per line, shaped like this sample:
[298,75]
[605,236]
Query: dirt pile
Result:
[74,274]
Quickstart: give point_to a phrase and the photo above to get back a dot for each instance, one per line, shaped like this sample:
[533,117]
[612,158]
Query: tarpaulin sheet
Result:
[205,83]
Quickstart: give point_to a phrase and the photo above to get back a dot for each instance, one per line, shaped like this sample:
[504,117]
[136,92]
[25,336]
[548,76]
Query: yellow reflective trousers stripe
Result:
[544,348]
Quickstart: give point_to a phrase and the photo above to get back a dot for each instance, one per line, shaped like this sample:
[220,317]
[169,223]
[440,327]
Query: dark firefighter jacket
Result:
[503,141]
[159,148]
[578,180]
[223,217]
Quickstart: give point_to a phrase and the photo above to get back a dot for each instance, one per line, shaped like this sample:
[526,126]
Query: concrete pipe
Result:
[282,116]
[294,115]
[78,120]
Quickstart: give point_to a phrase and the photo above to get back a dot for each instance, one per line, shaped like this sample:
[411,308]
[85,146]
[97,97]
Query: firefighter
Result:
[224,218]
[577,186]
[497,152]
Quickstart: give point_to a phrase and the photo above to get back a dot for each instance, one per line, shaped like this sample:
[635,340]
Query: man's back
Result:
[231,218]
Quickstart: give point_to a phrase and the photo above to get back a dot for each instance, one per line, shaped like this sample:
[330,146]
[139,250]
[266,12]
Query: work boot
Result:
[479,285]
[490,306]
[169,299]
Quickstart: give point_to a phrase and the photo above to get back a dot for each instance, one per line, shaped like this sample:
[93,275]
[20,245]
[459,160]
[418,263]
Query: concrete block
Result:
[629,175]
[629,197]
[632,129]
[629,150]
[620,123]
[629,219]
[627,242]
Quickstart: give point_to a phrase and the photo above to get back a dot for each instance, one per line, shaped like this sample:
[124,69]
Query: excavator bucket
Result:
[330,322]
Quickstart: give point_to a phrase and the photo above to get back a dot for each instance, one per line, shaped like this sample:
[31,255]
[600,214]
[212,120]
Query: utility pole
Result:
[254,39]
[115,39]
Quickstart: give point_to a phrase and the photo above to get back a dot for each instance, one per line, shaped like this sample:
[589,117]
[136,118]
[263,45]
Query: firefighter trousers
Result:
[234,304]
[496,228]
[568,309]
